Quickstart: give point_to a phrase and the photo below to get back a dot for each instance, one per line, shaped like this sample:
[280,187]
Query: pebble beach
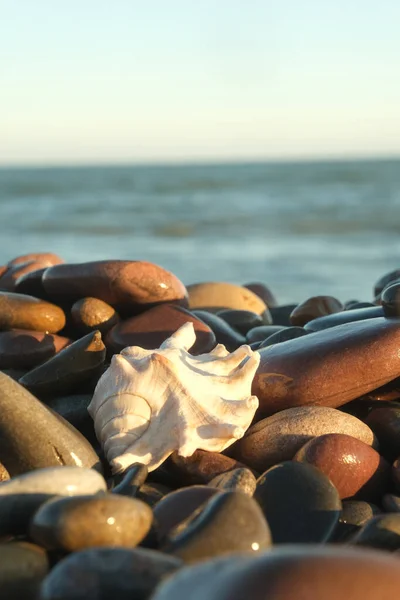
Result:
[305,505]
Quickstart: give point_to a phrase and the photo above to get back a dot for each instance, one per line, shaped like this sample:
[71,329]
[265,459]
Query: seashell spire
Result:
[150,403]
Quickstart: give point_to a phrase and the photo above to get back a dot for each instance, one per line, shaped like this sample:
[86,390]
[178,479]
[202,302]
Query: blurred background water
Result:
[303,229]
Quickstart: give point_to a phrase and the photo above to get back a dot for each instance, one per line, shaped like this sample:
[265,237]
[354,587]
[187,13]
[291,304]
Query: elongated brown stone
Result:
[20,348]
[329,367]
[214,296]
[18,311]
[129,286]
[312,308]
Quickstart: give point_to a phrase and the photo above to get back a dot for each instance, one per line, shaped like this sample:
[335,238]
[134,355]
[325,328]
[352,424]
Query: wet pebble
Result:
[20,348]
[91,314]
[215,296]
[343,317]
[390,300]
[261,333]
[263,292]
[244,320]
[201,467]
[382,531]
[18,311]
[281,314]
[238,480]
[313,308]
[284,335]
[355,513]
[23,566]
[224,333]
[129,482]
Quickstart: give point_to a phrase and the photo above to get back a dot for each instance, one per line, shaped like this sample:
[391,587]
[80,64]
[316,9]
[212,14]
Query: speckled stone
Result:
[150,329]
[302,572]
[224,333]
[18,311]
[355,513]
[328,368]
[80,522]
[108,573]
[313,308]
[129,482]
[281,314]
[21,348]
[299,502]
[65,372]
[238,480]
[214,296]
[263,292]
[343,317]
[356,469]
[23,567]
[382,531]
[244,320]
[385,423]
[261,333]
[33,437]
[91,314]
[284,335]
[201,467]
[179,505]
[229,523]
[279,437]
[130,287]
[385,280]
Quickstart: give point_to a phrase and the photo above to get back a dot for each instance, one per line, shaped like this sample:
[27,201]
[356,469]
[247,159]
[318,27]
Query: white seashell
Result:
[150,403]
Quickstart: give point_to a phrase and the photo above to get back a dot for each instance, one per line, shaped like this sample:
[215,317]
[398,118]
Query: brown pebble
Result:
[46,257]
[31,284]
[356,470]
[90,314]
[23,566]
[202,466]
[18,311]
[21,348]
[214,296]
[150,329]
[131,287]
[312,308]
[263,292]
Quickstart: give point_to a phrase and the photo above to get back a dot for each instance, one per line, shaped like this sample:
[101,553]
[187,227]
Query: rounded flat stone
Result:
[33,437]
[328,367]
[23,566]
[382,531]
[343,317]
[65,371]
[355,513]
[46,257]
[21,348]
[150,329]
[390,300]
[179,505]
[18,311]
[129,286]
[356,469]
[31,284]
[103,573]
[385,280]
[238,480]
[385,423]
[302,572]
[313,308]
[8,281]
[229,523]
[201,467]
[244,320]
[215,296]
[81,522]
[262,332]
[281,314]
[224,333]
[284,335]
[263,292]
[91,314]
[279,437]
[300,503]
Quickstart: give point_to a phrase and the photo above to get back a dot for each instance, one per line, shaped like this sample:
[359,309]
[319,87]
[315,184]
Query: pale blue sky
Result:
[86,81]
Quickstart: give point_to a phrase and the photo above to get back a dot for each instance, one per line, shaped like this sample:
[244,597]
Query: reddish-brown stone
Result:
[312,308]
[202,466]
[18,311]
[214,296]
[329,367]
[129,286]
[45,257]
[356,470]
[91,314]
[31,283]
[150,329]
[263,292]
[22,348]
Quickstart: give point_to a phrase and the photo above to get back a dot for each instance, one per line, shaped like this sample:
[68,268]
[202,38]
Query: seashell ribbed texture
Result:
[150,403]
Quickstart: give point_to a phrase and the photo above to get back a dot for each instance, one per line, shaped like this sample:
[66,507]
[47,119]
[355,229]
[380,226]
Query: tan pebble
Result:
[214,296]
[18,311]
[90,314]
[312,308]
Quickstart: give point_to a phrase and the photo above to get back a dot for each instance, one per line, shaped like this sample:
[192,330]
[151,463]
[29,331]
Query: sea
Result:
[304,229]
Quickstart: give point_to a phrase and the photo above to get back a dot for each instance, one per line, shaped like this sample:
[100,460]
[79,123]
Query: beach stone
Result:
[201,466]
[385,423]
[263,292]
[8,281]
[31,284]
[21,496]
[229,523]
[262,332]
[129,482]
[284,335]
[328,368]
[80,522]
[244,320]
[46,257]
[4,474]
[150,329]
[382,531]
[355,304]
[73,408]
[391,503]
[279,437]
[303,572]
[33,437]
[385,280]
[356,469]
[23,349]
[179,505]
[343,317]
[130,287]
[390,300]
[215,296]
[106,573]
[66,371]
[238,480]
[18,311]
[224,333]
[281,314]
[355,513]
[385,393]
[23,566]
[313,308]
[151,493]
[91,314]
[300,503]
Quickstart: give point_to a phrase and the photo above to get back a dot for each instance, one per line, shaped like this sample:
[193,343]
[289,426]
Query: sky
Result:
[94,81]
